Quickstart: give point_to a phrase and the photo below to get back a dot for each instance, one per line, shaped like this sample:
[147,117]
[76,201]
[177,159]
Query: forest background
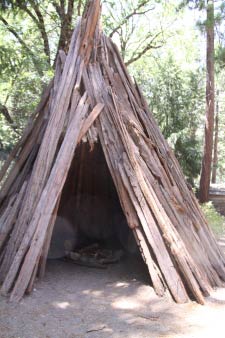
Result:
[163,44]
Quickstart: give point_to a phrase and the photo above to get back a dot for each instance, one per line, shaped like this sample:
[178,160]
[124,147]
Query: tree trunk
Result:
[215,149]
[208,143]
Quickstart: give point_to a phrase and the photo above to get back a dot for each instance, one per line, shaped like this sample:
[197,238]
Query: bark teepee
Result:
[92,94]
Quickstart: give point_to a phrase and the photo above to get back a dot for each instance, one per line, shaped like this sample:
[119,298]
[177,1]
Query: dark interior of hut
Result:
[90,227]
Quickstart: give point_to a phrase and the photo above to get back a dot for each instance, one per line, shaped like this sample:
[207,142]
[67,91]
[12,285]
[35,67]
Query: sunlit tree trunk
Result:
[215,147]
[209,121]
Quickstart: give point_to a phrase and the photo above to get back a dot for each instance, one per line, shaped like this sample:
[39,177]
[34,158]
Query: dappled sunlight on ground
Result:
[125,303]
[61,305]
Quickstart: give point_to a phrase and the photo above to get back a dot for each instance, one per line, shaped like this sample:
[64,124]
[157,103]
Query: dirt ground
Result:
[79,302]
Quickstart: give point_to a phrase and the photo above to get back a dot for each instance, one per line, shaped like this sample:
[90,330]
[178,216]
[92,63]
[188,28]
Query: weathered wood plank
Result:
[90,120]
[47,151]
[32,226]
[44,254]
[7,224]
[49,198]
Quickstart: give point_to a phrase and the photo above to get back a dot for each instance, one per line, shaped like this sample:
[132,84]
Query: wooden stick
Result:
[44,254]
[90,120]
[12,212]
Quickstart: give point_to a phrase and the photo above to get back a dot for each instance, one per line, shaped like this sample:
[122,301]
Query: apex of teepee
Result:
[90,27]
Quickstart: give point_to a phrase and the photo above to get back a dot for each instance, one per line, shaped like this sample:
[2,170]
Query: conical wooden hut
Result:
[92,96]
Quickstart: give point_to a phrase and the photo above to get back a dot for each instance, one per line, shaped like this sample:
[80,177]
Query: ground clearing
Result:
[79,302]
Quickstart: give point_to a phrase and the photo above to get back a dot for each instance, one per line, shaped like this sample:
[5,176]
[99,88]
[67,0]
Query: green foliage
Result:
[25,67]
[192,4]
[8,137]
[188,153]
[170,94]
[220,104]
[23,75]
[220,57]
[215,220]
[137,26]
[8,64]
[176,97]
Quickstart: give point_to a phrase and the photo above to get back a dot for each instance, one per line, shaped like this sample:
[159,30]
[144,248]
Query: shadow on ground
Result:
[76,302]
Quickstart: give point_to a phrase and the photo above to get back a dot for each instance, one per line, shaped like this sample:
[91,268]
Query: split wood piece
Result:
[154,273]
[80,179]
[17,232]
[46,154]
[180,181]
[173,208]
[32,226]
[90,24]
[87,124]
[90,119]
[10,215]
[214,252]
[3,220]
[25,170]
[206,237]
[199,273]
[131,216]
[122,71]
[130,213]
[60,63]
[45,207]
[193,281]
[117,126]
[172,278]
[29,288]
[174,243]
[31,142]
[41,265]
[7,211]
[157,283]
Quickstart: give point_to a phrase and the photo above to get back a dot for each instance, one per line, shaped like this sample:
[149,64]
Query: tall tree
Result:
[209,118]
[215,145]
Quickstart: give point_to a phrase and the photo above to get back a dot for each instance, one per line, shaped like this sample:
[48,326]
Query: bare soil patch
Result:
[79,302]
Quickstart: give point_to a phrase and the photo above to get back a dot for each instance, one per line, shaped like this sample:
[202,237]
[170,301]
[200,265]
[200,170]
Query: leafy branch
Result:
[130,15]
[23,44]
[150,45]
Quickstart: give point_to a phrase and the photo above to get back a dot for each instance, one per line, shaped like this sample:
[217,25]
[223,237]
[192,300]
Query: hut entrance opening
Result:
[90,215]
